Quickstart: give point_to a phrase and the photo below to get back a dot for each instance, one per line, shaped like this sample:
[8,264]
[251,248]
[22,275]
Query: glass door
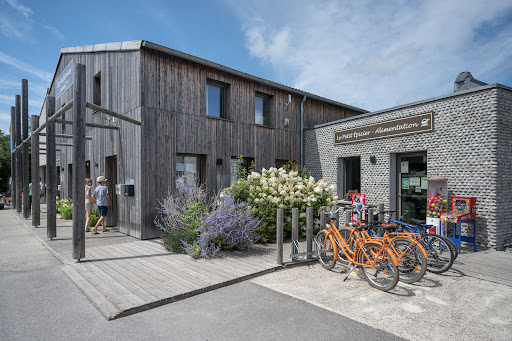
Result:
[412,184]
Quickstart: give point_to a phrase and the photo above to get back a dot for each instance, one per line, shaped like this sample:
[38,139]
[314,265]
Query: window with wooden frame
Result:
[191,168]
[96,89]
[216,99]
[262,109]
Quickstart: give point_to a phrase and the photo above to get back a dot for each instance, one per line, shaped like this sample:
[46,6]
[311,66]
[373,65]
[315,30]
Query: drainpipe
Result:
[302,132]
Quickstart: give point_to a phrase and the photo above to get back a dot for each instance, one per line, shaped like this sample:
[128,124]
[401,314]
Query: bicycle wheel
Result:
[379,270]
[453,248]
[440,257]
[345,233]
[325,250]
[412,263]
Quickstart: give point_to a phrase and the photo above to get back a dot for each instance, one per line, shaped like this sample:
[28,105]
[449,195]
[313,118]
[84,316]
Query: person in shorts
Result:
[102,199]
[88,203]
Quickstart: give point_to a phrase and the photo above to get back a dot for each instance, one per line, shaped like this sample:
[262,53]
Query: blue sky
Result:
[369,54]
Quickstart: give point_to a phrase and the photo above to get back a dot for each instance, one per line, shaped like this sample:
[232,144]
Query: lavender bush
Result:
[180,214]
[203,228]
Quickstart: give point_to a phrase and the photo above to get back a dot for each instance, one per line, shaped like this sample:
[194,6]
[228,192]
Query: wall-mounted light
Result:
[373,159]
[96,165]
[289,101]
[219,162]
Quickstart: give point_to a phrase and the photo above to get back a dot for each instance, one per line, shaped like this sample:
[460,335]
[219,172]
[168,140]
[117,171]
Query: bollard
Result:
[295,232]
[279,236]
[348,218]
[381,214]
[370,215]
[309,231]
[336,217]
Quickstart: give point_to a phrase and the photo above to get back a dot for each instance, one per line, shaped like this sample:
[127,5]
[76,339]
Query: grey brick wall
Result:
[471,146]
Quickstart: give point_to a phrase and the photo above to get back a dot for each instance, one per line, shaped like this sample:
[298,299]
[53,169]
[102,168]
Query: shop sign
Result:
[403,126]
[64,81]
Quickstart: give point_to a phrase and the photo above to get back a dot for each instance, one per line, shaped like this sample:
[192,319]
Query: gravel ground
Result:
[449,306]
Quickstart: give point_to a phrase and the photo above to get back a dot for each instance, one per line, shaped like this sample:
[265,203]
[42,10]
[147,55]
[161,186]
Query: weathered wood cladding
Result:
[168,94]
[120,86]
[173,99]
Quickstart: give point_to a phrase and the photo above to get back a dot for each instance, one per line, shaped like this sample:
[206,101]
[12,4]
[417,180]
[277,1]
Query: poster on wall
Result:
[358,198]
[405,183]
[415,181]
[404,167]
[424,183]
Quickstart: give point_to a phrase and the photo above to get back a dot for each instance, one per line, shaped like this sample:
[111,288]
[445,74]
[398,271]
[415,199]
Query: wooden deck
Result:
[492,266]
[122,275]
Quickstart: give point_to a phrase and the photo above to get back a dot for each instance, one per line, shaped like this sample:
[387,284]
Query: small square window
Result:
[215,102]
[189,168]
[240,167]
[261,110]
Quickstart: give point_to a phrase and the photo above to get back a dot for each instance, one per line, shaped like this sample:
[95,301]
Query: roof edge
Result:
[454,94]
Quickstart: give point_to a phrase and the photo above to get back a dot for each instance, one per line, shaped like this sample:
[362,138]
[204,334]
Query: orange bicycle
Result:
[411,256]
[378,264]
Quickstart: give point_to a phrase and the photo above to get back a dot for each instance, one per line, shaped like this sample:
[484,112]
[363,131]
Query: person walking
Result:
[102,199]
[88,203]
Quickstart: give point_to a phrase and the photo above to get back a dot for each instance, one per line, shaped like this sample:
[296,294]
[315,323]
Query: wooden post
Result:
[36,190]
[51,171]
[309,231]
[280,236]
[370,215]
[25,157]
[78,114]
[19,169]
[322,219]
[295,232]
[381,214]
[13,157]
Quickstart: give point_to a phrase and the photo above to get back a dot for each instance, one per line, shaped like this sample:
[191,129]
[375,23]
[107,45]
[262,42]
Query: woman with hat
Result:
[102,199]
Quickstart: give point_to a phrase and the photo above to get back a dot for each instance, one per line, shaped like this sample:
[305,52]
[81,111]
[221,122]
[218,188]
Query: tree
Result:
[5,162]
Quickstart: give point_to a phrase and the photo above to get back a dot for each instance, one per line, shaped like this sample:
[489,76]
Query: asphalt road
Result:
[38,302]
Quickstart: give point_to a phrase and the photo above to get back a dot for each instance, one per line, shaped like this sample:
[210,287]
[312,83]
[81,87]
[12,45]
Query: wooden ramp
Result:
[126,278]
[492,266]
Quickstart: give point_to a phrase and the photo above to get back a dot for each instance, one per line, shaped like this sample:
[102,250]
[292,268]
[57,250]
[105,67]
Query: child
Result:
[88,203]
[102,199]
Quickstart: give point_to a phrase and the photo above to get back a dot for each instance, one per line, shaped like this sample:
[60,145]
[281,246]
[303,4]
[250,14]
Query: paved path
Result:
[122,275]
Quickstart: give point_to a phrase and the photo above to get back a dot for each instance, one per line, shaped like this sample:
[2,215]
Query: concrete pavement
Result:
[39,303]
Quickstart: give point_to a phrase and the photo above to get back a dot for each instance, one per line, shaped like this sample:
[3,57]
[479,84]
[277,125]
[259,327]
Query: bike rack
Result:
[301,252]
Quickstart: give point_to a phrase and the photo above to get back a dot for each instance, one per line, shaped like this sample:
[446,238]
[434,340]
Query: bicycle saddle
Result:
[389,226]
[418,221]
[360,227]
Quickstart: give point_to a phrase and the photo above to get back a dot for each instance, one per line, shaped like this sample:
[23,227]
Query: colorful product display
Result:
[436,205]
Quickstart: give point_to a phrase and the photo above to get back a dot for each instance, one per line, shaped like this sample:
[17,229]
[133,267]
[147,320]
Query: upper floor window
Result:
[96,89]
[262,110]
[215,100]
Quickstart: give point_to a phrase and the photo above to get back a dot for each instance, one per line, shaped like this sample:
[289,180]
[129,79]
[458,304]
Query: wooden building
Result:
[197,117]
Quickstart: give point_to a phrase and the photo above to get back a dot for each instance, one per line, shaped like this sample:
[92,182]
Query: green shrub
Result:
[65,208]
[95,216]
[175,238]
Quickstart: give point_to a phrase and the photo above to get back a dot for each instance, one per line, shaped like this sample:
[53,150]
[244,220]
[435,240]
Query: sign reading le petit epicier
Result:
[403,126]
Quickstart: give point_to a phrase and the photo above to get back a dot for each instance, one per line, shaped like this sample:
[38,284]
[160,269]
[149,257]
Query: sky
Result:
[369,54]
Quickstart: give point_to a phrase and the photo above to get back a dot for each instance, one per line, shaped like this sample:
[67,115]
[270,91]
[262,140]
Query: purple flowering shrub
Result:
[230,225]
[201,227]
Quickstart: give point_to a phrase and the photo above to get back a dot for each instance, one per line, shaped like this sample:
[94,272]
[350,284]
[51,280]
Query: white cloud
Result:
[23,10]
[5,117]
[43,75]
[55,31]
[376,55]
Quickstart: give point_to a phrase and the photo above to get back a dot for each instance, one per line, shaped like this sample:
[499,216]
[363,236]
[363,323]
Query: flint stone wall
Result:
[471,145]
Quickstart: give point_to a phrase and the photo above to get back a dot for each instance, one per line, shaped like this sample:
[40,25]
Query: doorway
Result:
[111,175]
[412,185]
[70,181]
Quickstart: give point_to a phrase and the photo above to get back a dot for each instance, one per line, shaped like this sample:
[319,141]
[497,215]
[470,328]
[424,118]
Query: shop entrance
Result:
[111,175]
[412,185]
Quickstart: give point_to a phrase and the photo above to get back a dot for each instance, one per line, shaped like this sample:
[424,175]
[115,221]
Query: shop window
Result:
[240,166]
[96,89]
[262,110]
[352,174]
[190,168]
[215,100]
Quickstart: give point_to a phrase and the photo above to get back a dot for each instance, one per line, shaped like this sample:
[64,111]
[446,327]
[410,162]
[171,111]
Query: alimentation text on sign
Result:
[404,126]
[64,81]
